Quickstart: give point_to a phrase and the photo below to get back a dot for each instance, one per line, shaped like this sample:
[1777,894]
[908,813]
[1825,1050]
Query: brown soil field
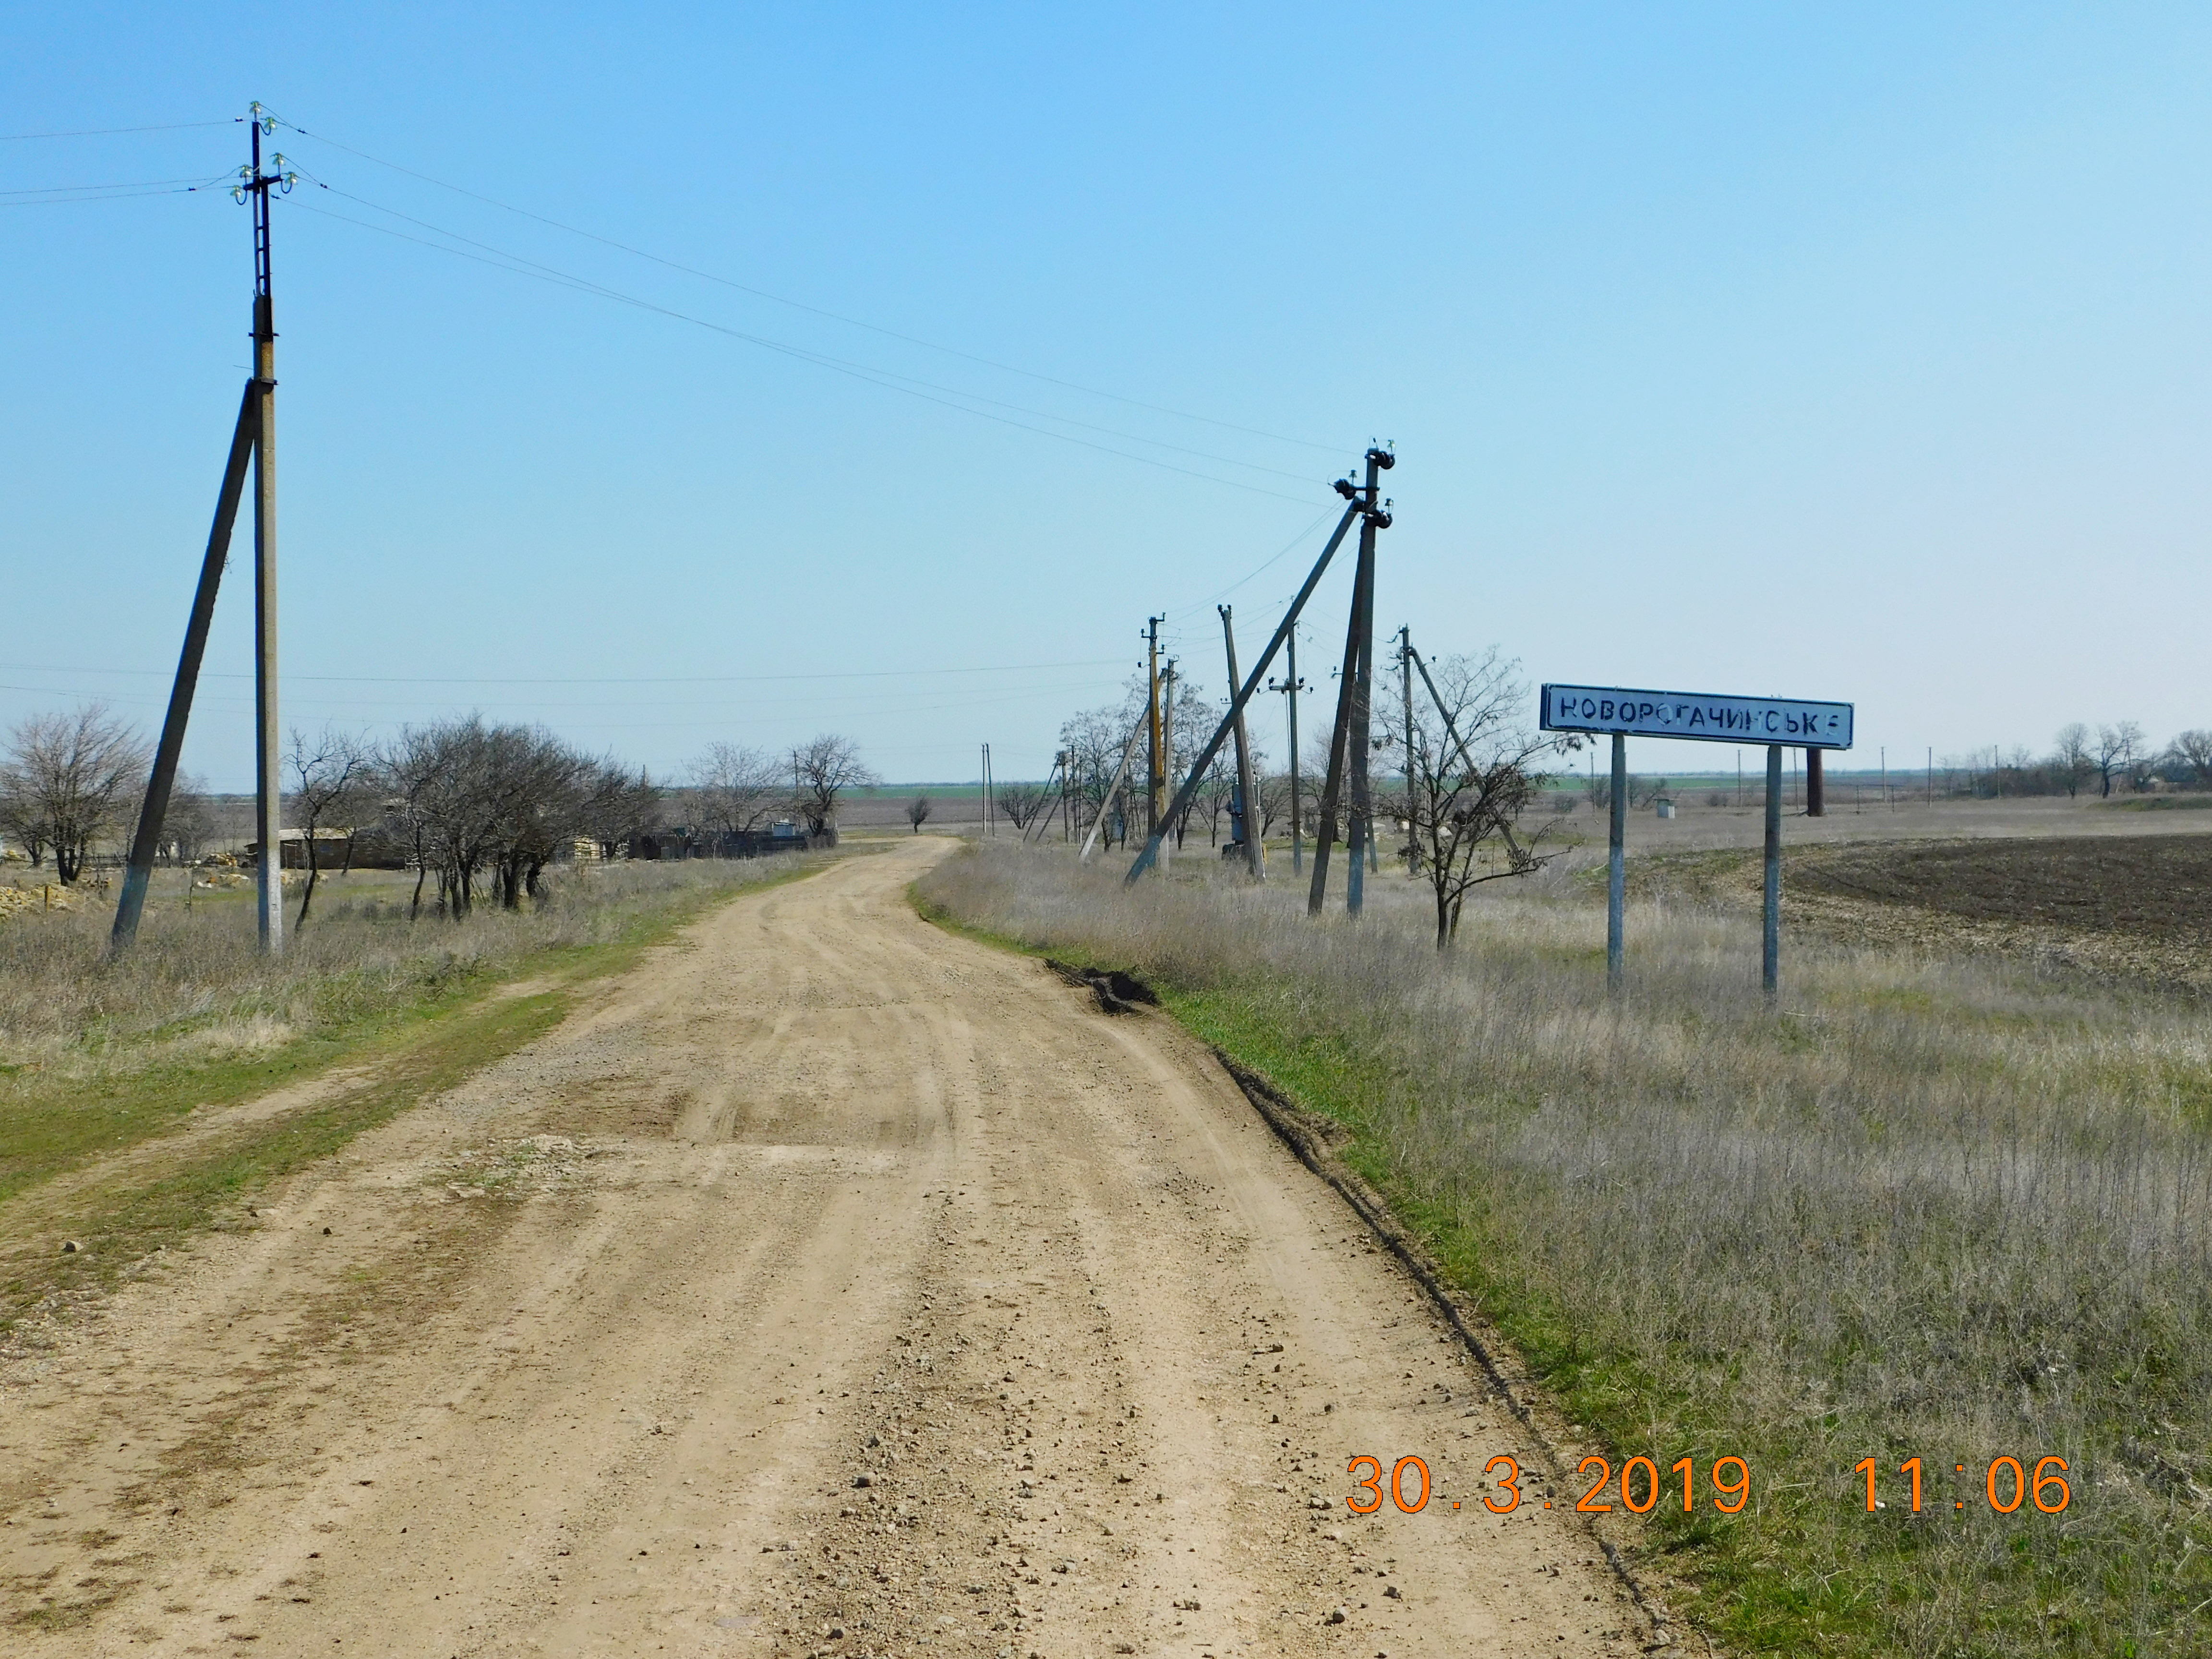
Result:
[2121,908]
[2160,886]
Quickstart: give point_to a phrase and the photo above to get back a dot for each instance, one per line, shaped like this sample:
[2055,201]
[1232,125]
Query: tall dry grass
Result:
[1928,1207]
[196,985]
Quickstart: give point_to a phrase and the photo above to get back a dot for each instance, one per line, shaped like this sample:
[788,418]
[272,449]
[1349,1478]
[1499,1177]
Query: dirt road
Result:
[832,1286]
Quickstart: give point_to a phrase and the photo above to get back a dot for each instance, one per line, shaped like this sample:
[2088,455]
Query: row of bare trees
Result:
[2119,756]
[481,806]
[736,790]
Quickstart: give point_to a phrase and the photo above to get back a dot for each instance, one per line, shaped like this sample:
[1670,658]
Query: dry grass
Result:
[196,987]
[1930,1207]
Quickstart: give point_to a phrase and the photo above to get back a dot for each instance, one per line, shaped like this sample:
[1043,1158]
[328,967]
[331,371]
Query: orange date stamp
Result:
[1640,1486]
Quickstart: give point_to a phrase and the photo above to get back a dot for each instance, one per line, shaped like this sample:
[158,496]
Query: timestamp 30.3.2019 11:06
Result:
[2008,1483]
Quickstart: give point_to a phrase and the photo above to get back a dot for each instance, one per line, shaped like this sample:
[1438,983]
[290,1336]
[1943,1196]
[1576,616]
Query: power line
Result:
[818,357]
[129,184]
[582,679]
[105,132]
[800,304]
[564,279]
[63,195]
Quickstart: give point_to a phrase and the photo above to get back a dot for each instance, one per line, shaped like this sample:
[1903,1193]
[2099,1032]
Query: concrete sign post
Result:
[1622,712]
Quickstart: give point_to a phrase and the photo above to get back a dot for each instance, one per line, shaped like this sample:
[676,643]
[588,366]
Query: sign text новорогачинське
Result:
[1699,715]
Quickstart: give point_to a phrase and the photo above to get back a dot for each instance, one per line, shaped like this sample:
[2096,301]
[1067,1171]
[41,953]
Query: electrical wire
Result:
[129,184]
[61,195]
[841,362]
[105,132]
[581,679]
[800,304]
[564,279]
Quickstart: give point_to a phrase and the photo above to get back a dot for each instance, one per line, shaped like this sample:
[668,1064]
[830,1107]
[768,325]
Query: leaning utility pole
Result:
[254,434]
[1290,686]
[1252,860]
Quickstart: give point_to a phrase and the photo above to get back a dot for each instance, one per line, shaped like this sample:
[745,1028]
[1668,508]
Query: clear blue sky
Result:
[1856,352]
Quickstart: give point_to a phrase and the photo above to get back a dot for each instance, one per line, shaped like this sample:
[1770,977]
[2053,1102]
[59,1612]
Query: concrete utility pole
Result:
[1252,861]
[268,793]
[1406,690]
[1167,762]
[1155,766]
[1290,686]
[1349,740]
[1358,739]
[990,828]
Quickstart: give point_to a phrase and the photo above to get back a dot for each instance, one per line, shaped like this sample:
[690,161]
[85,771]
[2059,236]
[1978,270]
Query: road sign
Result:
[1701,716]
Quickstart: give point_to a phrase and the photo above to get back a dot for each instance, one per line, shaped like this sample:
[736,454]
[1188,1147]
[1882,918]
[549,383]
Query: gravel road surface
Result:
[831,1285]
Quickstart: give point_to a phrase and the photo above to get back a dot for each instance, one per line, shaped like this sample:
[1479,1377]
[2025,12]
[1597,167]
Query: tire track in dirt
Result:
[850,1288]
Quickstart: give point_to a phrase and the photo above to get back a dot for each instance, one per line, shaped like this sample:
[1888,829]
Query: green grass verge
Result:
[405,1055]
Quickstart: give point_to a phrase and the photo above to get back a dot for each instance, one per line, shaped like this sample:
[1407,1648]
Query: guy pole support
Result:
[147,841]
[1106,801]
[1346,488]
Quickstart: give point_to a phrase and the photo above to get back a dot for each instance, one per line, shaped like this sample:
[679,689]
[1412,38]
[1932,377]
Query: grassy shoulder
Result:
[118,1166]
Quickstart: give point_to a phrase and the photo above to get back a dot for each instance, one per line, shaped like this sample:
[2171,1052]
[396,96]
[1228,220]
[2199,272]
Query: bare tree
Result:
[1472,780]
[618,805]
[2069,758]
[68,778]
[740,788]
[329,774]
[1020,802]
[410,770]
[917,812]
[2193,748]
[821,771]
[2117,747]
[1094,742]
[188,824]
[1275,802]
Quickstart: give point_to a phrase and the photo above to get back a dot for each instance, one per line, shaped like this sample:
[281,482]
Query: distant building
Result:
[781,836]
[339,848]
